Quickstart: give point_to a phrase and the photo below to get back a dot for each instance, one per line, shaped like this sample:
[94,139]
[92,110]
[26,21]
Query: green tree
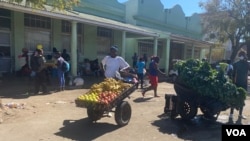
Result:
[227,20]
[56,4]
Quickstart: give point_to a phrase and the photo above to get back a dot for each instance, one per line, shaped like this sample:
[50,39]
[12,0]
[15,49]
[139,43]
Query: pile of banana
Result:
[102,93]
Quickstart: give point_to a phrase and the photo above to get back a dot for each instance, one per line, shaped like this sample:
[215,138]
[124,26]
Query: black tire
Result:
[187,110]
[208,114]
[123,113]
[94,114]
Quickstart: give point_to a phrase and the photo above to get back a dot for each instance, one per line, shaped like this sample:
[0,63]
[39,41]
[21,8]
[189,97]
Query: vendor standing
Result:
[38,65]
[114,64]
[240,78]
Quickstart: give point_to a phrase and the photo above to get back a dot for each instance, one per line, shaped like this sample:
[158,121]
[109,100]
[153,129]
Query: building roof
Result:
[182,39]
[132,31]
[78,17]
[186,40]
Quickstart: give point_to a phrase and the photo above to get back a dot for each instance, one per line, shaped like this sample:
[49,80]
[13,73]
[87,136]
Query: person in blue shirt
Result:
[140,66]
[60,72]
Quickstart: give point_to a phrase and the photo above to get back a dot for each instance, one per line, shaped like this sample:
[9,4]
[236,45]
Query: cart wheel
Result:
[94,114]
[123,113]
[208,114]
[187,110]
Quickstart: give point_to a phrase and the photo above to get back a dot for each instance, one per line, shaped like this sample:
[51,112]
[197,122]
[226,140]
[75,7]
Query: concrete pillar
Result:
[185,51]
[18,37]
[167,55]
[123,44]
[74,48]
[210,54]
[201,54]
[192,56]
[155,46]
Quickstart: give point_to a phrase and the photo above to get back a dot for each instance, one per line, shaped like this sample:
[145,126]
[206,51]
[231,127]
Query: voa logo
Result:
[236,132]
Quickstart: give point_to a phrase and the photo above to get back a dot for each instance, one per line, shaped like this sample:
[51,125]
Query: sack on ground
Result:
[78,81]
[65,66]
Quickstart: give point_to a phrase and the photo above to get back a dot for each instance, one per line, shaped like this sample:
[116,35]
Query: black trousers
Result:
[41,81]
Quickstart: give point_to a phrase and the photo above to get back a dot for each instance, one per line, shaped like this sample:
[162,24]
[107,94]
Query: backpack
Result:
[65,66]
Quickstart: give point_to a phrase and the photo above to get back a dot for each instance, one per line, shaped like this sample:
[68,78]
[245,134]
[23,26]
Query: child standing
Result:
[140,71]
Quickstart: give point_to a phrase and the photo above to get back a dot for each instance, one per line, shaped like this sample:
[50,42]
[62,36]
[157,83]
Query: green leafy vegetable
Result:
[206,81]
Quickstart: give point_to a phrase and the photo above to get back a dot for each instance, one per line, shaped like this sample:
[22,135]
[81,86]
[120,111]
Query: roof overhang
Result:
[79,17]
[185,40]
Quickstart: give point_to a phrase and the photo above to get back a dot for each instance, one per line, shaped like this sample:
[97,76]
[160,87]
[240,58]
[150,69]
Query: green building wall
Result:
[110,9]
[151,14]
[147,13]
[56,34]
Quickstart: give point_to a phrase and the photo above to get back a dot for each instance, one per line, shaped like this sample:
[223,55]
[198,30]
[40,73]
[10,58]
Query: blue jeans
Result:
[140,78]
[61,78]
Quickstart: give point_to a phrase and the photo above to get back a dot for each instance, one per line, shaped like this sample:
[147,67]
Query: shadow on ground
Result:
[84,129]
[12,86]
[196,129]
[142,99]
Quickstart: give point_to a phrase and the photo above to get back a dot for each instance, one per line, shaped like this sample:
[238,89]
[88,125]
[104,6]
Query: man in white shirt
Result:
[113,64]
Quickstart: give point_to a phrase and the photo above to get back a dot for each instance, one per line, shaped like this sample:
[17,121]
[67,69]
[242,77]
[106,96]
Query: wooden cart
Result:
[122,110]
[186,103]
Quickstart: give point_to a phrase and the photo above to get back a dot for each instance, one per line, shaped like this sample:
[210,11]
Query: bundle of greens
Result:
[199,76]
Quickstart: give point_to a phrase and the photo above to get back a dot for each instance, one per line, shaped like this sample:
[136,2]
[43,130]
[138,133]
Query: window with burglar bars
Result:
[37,31]
[104,40]
[66,36]
[37,21]
[66,27]
[196,53]
[5,33]
[5,19]
[147,47]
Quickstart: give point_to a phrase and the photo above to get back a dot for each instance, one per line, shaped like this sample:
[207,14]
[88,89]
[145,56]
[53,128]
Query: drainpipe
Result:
[74,48]
[123,44]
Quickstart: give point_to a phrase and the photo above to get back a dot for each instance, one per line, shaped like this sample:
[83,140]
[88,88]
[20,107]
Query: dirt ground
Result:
[55,117]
